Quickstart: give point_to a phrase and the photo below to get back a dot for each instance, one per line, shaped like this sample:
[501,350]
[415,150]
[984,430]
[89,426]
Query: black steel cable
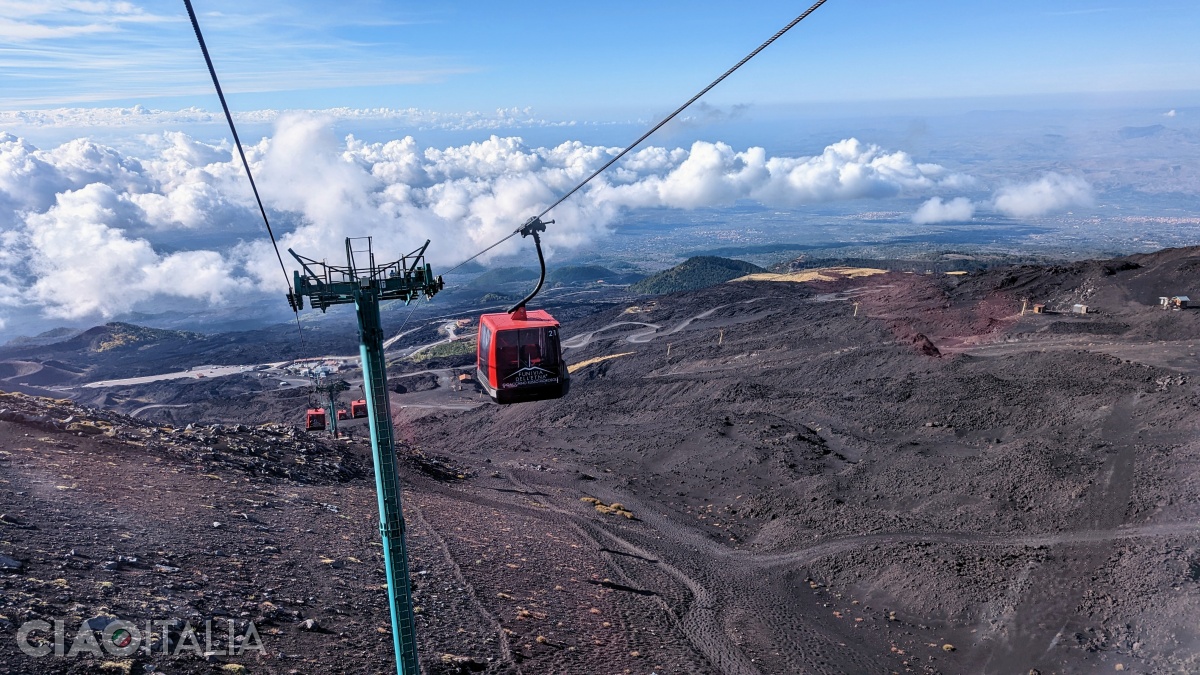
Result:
[683,107]
[238,142]
[655,128]
[482,252]
[410,313]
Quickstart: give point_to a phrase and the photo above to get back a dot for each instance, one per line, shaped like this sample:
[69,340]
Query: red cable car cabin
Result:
[315,420]
[358,408]
[343,414]
[518,357]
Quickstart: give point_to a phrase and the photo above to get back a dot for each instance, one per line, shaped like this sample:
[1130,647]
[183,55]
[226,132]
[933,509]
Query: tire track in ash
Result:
[699,622]
[720,583]
[825,549]
[738,582]
[745,570]
[505,649]
[742,571]
[541,509]
[1056,589]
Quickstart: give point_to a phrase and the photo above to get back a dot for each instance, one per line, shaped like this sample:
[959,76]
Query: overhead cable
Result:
[655,128]
[238,143]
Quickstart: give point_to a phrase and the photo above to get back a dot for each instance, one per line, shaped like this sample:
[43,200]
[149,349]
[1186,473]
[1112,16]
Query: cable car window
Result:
[508,343]
[548,341]
[526,356]
[485,347]
[532,348]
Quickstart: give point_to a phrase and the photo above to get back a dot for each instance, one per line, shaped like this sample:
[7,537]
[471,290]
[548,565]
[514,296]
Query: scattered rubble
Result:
[266,451]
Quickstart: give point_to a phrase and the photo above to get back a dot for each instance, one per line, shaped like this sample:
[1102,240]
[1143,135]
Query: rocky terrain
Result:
[881,473]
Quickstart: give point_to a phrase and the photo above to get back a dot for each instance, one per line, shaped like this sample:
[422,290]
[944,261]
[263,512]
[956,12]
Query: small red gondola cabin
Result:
[343,414]
[315,419]
[519,358]
[358,408]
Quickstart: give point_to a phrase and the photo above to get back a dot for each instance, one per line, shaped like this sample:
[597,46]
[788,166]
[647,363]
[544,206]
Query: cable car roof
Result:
[534,318]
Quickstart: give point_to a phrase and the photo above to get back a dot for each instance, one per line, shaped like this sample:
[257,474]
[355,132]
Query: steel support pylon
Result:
[365,286]
[387,481]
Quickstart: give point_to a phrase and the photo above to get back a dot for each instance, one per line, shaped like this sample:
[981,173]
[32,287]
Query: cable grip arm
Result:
[533,227]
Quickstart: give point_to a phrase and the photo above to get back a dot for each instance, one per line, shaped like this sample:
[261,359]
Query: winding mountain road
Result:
[652,329]
[144,408]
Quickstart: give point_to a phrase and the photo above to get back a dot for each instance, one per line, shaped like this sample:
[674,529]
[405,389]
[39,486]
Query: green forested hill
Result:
[695,273]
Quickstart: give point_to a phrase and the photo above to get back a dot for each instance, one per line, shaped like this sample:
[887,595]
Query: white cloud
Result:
[28,177]
[713,173]
[957,181]
[89,231]
[82,162]
[22,30]
[1170,113]
[957,210]
[86,265]
[1052,192]
[28,8]
[21,20]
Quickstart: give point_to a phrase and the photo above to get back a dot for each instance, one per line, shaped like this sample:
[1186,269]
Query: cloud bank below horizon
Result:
[957,210]
[77,221]
[1052,193]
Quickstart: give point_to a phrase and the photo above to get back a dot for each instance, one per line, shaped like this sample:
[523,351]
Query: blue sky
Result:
[590,61]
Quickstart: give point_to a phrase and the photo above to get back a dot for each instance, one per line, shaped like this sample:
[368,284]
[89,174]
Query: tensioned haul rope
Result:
[655,128]
[238,142]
